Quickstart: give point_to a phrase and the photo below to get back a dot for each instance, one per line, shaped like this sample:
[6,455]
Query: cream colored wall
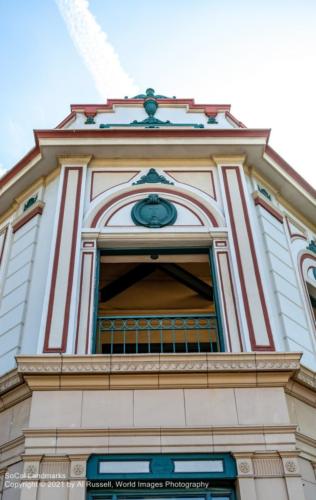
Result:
[10,490]
[303,415]
[156,408]
[308,478]
[13,420]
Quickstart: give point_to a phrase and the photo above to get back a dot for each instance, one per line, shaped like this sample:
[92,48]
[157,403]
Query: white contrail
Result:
[98,54]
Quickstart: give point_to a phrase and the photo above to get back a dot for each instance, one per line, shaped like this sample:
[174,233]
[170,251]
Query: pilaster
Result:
[86,298]
[58,320]
[247,265]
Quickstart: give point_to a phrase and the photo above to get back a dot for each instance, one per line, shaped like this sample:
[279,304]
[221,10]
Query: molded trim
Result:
[62,347]
[259,200]
[254,345]
[37,209]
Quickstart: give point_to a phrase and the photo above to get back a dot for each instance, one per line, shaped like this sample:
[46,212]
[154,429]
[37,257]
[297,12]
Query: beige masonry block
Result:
[186,449]
[43,442]
[107,408]
[92,381]
[272,488]
[246,489]
[261,406]
[174,380]
[235,440]
[307,470]
[159,408]
[44,382]
[210,407]
[20,418]
[54,409]
[136,449]
[46,492]
[231,379]
[96,443]
[5,424]
[270,379]
[188,441]
[303,415]
[134,441]
[129,381]
[295,488]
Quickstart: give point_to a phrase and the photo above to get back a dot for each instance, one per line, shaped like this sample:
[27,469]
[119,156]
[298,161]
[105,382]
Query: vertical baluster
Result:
[210,330]
[161,335]
[124,337]
[99,337]
[148,335]
[136,337]
[218,347]
[112,335]
[198,324]
[185,323]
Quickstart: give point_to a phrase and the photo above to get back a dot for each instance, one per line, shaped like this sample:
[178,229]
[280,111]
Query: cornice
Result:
[53,372]
[303,386]
[306,446]
[109,107]
[159,362]
[11,452]
[13,390]
[10,380]
[306,377]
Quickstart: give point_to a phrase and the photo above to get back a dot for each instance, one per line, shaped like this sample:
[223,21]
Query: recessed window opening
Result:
[156,303]
[312,297]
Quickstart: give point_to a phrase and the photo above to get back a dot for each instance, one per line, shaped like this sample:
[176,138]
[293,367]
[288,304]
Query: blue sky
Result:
[258,56]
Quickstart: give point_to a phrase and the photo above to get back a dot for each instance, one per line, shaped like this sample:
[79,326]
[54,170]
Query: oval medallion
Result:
[154,212]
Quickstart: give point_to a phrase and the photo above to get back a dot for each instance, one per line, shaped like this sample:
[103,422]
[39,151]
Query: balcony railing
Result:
[157,334]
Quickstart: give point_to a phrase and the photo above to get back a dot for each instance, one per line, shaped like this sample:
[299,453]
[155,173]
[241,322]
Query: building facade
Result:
[157,310]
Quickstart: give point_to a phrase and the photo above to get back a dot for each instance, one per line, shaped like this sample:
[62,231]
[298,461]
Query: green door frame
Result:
[161,467]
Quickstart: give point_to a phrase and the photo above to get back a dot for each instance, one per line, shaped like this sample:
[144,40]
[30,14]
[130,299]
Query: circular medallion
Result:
[154,212]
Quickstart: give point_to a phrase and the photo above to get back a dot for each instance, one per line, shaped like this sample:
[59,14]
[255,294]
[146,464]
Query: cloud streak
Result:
[93,46]
[2,171]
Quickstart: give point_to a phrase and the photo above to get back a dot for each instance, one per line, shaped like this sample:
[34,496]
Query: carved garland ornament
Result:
[163,365]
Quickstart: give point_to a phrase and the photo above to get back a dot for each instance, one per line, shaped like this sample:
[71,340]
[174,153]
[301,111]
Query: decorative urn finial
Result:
[150,103]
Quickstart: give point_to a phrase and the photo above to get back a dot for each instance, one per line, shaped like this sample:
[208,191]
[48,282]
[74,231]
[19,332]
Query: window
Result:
[157,301]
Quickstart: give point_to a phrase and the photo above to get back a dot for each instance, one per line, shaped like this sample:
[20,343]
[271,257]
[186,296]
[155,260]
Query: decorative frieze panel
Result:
[270,466]
[262,465]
